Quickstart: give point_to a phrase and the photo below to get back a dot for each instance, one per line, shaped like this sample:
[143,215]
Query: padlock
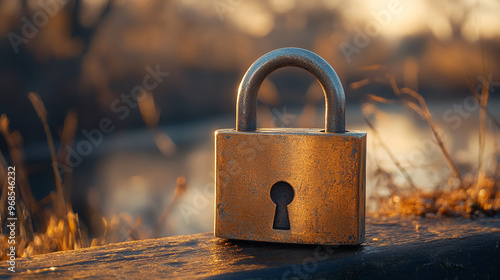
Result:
[290,185]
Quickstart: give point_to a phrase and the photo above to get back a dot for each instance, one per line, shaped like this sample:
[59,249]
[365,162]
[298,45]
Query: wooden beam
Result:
[405,248]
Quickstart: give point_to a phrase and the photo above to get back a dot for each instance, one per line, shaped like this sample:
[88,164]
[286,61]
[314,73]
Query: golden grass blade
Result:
[38,105]
[150,114]
[483,101]
[4,123]
[380,99]
[68,131]
[67,138]
[414,107]
[425,113]
[477,98]
[420,99]
[359,84]
[42,114]
[394,85]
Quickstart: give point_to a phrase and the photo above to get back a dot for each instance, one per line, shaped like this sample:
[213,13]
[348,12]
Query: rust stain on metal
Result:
[326,170]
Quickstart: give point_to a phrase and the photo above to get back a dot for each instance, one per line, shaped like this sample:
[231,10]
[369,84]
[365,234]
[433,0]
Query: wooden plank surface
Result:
[407,248]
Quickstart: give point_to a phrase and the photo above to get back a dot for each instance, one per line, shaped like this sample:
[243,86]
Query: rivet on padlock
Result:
[290,185]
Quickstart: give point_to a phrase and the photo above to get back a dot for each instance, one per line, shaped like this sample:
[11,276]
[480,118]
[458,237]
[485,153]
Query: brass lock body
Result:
[290,185]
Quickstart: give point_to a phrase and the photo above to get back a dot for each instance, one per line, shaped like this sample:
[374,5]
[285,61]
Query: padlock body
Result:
[325,170]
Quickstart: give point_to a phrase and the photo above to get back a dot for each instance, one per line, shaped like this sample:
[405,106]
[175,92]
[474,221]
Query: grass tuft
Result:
[468,198]
[50,224]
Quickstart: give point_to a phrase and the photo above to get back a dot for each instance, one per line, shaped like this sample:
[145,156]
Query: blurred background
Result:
[133,90]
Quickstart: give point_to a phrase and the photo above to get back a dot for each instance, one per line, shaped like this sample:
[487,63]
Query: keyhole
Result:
[282,195]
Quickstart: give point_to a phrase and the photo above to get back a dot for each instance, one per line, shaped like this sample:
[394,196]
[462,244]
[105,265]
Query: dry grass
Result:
[469,198]
[50,225]
[40,229]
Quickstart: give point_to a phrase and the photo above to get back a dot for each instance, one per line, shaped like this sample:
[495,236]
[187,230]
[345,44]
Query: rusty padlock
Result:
[290,185]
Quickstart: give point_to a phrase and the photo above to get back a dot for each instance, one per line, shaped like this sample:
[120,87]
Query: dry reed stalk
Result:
[63,230]
[424,112]
[67,138]
[478,100]
[479,199]
[421,109]
[37,102]
[483,101]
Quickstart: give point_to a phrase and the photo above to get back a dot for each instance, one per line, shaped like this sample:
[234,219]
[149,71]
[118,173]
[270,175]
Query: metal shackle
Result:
[246,116]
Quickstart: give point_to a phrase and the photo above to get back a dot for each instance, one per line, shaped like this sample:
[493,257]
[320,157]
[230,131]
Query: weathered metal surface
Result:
[249,87]
[395,248]
[324,171]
